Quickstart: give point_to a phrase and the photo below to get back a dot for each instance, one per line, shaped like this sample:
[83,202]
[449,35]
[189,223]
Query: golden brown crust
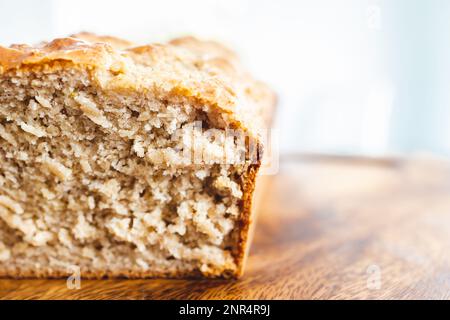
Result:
[246,218]
[201,70]
[64,49]
[206,49]
[116,43]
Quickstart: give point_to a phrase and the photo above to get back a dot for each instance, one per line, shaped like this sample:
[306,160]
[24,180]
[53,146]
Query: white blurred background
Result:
[367,77]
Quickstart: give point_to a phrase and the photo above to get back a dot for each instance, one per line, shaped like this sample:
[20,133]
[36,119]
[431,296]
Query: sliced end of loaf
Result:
[122,168]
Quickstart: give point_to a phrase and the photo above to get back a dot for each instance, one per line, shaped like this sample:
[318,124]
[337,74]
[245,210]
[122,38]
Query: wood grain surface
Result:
[328,229]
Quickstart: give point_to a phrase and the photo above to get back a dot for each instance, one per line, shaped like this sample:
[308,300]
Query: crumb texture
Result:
[98,167]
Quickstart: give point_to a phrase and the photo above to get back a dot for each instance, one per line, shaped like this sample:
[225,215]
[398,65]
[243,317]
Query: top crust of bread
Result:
[202,70]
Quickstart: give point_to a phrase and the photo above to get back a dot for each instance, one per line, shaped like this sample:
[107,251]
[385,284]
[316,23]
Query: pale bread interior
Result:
[94,178]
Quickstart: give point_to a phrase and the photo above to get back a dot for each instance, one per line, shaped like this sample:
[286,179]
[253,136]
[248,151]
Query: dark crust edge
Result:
[52,273]
[247,219]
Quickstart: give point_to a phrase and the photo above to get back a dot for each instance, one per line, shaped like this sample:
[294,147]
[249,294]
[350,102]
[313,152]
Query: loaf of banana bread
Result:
[127,160]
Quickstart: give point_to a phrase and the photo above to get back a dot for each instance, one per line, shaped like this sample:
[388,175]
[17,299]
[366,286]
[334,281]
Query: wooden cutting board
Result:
[328,229]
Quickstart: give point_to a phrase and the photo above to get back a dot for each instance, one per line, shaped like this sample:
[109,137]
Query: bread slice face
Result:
[123,160]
